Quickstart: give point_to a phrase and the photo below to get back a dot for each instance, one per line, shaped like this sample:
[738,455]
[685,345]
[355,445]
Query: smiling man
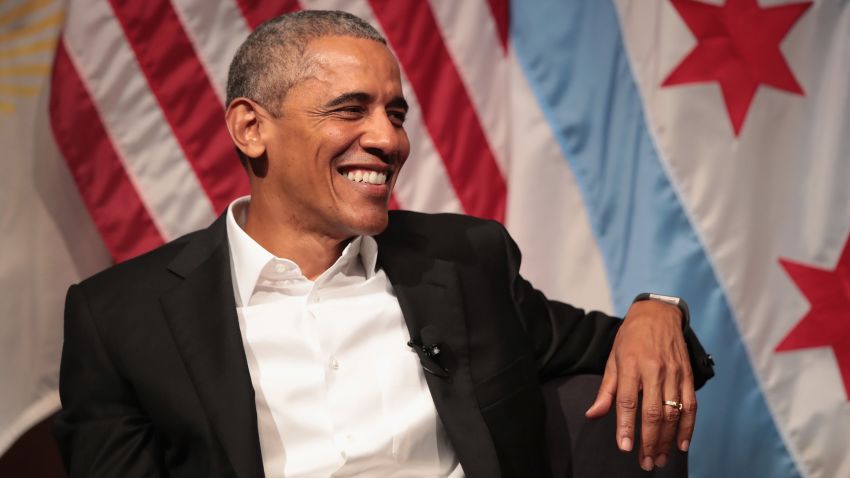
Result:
[323,153]
[310,332]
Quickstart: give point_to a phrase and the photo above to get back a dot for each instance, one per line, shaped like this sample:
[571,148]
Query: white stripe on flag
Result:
[546,213]
[216,30]
[153,159]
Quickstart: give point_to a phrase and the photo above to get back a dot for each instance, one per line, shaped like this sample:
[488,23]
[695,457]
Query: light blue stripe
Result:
[572,54]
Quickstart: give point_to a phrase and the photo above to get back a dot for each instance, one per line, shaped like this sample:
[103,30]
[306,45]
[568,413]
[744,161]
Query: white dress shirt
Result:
[338,391]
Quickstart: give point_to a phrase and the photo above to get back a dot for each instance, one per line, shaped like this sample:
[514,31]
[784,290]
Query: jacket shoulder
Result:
[140,274]
[424,220]
[447,235]
[439,224]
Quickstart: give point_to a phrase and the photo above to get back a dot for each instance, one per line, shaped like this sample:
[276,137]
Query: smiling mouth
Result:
[367,176]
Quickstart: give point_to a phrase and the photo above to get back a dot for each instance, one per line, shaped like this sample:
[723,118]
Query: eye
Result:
[350,112]
[397,117]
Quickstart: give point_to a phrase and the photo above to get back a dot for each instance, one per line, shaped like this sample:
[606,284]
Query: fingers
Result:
[670,415]
[689,412]
[628,385]
[605,395]
[651,358]
[652,415]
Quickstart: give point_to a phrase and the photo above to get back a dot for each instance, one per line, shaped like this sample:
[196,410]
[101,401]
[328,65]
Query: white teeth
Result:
[371,177]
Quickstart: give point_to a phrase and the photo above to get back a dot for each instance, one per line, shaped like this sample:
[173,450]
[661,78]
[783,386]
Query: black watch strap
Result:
[672,300]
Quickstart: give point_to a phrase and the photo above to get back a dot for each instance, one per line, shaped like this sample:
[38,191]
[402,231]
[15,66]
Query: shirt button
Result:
[334,364]
[316,299]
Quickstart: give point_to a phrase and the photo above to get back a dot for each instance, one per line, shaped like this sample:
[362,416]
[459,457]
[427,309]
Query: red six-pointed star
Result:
[738,47]
[827,324]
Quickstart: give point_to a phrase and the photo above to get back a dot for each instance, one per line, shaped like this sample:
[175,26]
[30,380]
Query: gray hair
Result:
[271,60]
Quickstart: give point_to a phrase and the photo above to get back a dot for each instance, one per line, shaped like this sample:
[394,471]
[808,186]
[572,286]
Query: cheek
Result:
[327,154]
[404,147]
[334,140]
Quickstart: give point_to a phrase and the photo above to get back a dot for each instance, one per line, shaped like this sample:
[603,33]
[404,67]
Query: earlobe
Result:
[243,123]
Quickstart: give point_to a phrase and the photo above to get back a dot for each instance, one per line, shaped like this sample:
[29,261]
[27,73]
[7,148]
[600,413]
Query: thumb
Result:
[605,395]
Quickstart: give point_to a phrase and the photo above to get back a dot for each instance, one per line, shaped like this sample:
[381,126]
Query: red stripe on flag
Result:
[119,215]
[502,16]
[393,204]
[258,11]
[447,110]
[183,90]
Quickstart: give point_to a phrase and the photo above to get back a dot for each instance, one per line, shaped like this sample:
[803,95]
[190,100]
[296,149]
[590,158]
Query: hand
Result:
[649,356]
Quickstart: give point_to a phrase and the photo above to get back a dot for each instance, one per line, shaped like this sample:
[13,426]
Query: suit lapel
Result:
[428,292]
[201,313]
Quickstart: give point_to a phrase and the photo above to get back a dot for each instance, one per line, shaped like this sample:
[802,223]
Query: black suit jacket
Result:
[154,379]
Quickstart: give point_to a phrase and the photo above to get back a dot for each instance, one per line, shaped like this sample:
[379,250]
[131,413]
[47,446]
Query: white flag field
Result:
[698,148]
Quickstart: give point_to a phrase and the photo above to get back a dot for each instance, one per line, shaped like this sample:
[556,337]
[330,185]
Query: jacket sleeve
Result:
[101,430]
[569,341]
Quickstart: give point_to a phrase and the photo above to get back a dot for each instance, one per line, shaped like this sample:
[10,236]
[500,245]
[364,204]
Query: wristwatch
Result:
[670,299]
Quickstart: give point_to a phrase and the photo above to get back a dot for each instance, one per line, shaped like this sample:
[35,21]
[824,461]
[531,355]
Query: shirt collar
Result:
[248,258]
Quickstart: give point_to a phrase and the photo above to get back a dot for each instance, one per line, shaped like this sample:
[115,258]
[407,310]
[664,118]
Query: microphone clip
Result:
[429,357]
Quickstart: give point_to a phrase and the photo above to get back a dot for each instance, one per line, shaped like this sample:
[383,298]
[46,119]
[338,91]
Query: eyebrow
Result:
[361,97]
[398,102]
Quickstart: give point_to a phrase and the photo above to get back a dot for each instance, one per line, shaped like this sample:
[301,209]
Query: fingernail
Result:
[661,460]
[646,463]
[625,444]
[685,444]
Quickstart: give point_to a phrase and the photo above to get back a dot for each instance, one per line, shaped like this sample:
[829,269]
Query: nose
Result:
[380,136]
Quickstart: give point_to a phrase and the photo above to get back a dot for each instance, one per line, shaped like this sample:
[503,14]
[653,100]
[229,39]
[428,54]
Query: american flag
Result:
[696,148]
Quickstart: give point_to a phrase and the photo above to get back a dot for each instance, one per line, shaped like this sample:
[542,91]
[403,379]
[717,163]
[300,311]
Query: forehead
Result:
[342,64]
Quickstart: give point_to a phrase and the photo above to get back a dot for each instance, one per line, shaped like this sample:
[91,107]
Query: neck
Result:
[287,238]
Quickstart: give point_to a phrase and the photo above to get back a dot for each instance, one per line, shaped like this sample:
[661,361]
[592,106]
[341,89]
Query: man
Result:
[308,332]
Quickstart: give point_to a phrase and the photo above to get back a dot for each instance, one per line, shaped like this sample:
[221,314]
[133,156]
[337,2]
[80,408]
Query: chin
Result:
[373,228]
[370,224]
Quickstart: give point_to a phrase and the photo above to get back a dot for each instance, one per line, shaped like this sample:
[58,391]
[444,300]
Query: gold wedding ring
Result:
[674,404]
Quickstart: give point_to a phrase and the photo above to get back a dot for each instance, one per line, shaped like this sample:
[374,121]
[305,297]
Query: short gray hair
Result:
[271,60]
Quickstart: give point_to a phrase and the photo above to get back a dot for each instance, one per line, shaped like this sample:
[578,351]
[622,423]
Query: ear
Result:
[243,122]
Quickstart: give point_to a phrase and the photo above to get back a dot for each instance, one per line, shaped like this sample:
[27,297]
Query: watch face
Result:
[665,298]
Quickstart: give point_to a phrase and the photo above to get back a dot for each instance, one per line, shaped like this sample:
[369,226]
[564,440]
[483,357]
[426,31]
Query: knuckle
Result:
[652,414]
[654,364]
[675,371]
[671,414]
[628,367]
[690,407]
[626,403]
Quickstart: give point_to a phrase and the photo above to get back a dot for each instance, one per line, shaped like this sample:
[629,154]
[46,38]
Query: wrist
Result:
[671,300]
